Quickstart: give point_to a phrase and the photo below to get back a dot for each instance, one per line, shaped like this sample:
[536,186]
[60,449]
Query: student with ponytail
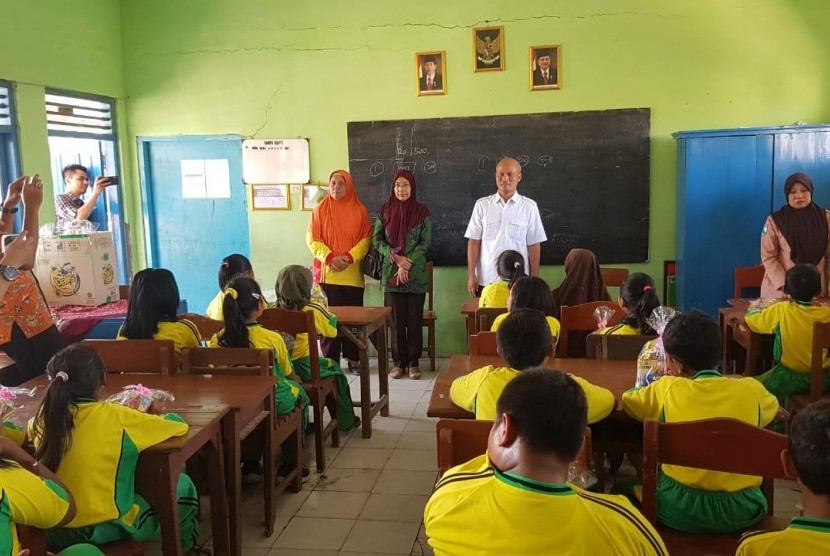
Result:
[231,267]
[510,266]
[530,292]
[94,448]
[241,308]
[638,298]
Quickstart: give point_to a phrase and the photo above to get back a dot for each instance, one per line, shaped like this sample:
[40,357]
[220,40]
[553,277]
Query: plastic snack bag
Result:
[603,315]
[7,400]
[651,363]
[140,397]
[580,475]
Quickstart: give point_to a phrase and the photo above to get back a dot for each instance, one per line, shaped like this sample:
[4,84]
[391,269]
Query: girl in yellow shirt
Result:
[638,298]
[510,266]
[531,292]
[231,267]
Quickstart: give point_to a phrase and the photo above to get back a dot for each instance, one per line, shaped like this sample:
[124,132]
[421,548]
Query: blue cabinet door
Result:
[724,195]
[802,152]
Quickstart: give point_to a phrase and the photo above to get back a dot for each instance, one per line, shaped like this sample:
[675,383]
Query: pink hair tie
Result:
[62,375]
[647,289]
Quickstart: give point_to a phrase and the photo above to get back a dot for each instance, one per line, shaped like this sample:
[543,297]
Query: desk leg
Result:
[383,370]
[365,386]
[234,479]
[156,482]
[218,500]
[268,465]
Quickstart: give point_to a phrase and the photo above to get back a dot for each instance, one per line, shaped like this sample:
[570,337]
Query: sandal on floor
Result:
[396,372]
[414,373]
[354,367]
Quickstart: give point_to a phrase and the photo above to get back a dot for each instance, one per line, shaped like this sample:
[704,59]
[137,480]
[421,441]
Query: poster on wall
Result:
[206,178]
[269,161]
[270,197]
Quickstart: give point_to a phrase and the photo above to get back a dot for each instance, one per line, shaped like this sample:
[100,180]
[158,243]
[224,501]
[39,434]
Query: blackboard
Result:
[588,172]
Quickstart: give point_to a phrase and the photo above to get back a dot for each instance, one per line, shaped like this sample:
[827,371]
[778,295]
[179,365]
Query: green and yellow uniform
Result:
[495,295]
[287,391]
[477,509]
[620,329]
[698,500]
[479,391]
[214,309]
[99,470]
[182,332]
[552,323]
[326,325]
[805,536]
[792,323]
[14,433]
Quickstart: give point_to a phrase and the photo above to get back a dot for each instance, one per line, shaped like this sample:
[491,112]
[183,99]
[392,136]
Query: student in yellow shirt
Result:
[151,313]
[231,267]
[531,292]
[638,298]
[94,448]
[241,308]
[698,500]
[294,293]
[515,499]
[522,340]
[807,460]
[792,323]
[510,266]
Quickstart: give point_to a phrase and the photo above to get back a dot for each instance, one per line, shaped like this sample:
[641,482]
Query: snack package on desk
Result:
[8,396]
[603,315]
[651,363]
[140,397]
[580,475]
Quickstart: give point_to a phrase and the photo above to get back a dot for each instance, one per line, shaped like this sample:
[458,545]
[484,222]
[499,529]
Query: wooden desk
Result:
[362,325]
[468,309]
[617,376]
[757,347]
[242,397]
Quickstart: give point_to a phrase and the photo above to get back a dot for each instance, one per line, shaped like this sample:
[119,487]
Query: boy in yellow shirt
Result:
[698,500]
[807,461]
[522,340]
[792,323]
[515,500]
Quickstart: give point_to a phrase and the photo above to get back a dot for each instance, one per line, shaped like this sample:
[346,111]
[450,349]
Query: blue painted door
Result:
[190,236]
[802,152]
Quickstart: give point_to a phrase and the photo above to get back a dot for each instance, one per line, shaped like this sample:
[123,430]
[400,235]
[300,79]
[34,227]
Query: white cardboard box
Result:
[78,269]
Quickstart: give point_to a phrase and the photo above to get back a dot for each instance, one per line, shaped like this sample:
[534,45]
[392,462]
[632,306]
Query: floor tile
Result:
[392,481]
[421,424]
[314,533]
[348,480]
[394,507]
[402,409]
[362,458]
[289,502]
[380,439]
[344,505]
[417,441]
[406,396]
[381,537]
[414,460]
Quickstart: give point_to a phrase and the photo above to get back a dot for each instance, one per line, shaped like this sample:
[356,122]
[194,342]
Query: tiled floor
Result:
[371,498]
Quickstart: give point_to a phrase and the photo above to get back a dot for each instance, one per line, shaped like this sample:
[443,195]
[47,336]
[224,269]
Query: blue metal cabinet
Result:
[728,182]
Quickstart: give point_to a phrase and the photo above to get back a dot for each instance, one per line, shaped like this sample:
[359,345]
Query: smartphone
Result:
[113,180]
[7,239]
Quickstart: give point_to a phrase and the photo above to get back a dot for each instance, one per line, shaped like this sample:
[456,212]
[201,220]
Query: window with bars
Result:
[5,107]
[79,116]
[9,159]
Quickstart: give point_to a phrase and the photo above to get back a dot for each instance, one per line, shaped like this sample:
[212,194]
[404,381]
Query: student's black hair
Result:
[231,267]
[809,445]
[694,339]
[549,409]
[641,299]
[75,372]
[242,298]
[154,297]
[803,282]
[72,168]
[531,292]
[510,266]
[523,338]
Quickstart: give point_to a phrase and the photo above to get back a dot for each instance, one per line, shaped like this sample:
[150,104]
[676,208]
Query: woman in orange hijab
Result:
[339,236]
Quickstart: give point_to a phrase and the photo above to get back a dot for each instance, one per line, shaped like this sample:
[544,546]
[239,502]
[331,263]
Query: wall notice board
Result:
[588,172]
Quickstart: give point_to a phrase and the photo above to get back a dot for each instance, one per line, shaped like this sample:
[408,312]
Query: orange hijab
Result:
[340,224]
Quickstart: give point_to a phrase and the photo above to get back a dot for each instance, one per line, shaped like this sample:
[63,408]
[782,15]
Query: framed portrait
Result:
[270,197]
[313,194]
[431,71]
[488,48]
[546,67]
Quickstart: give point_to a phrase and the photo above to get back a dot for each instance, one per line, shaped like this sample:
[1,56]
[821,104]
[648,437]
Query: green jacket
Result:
[418,240]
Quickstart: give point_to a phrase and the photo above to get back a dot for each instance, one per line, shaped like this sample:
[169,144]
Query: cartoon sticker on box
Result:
[65,280]
[108,273]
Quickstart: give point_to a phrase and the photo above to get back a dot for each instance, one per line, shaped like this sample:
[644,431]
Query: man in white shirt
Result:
[502,221]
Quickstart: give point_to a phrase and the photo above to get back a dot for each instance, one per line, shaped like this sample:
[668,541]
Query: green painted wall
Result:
[273,68]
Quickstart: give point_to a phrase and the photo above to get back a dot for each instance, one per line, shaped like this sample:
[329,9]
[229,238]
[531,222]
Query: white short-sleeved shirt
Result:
[502,225]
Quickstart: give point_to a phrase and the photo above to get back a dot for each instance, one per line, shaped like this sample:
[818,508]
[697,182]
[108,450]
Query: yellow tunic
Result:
[183,333]
[495,295]
[324,322]
[479,391]
[351,275]
[792,323]
[214,309]
[552,322]
[477,509]
[805,536]
[619,330]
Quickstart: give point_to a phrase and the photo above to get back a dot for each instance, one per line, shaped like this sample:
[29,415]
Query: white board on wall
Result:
[270,161]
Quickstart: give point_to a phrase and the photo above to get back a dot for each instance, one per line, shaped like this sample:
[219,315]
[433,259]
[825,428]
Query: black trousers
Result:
[408,317]
[341,295]
[30,354]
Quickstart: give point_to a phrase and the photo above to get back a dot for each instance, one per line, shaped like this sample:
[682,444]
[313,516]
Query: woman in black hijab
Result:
[796,234]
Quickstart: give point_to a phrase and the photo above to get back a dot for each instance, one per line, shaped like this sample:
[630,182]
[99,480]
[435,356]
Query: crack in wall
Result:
[268,108]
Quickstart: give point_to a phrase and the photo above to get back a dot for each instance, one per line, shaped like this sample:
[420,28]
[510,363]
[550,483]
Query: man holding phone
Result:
[70,206]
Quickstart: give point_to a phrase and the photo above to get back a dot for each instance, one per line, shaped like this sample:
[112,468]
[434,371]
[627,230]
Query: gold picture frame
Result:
[437,85]
[311,194]
[538,55]
[270,197]
[488,49]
